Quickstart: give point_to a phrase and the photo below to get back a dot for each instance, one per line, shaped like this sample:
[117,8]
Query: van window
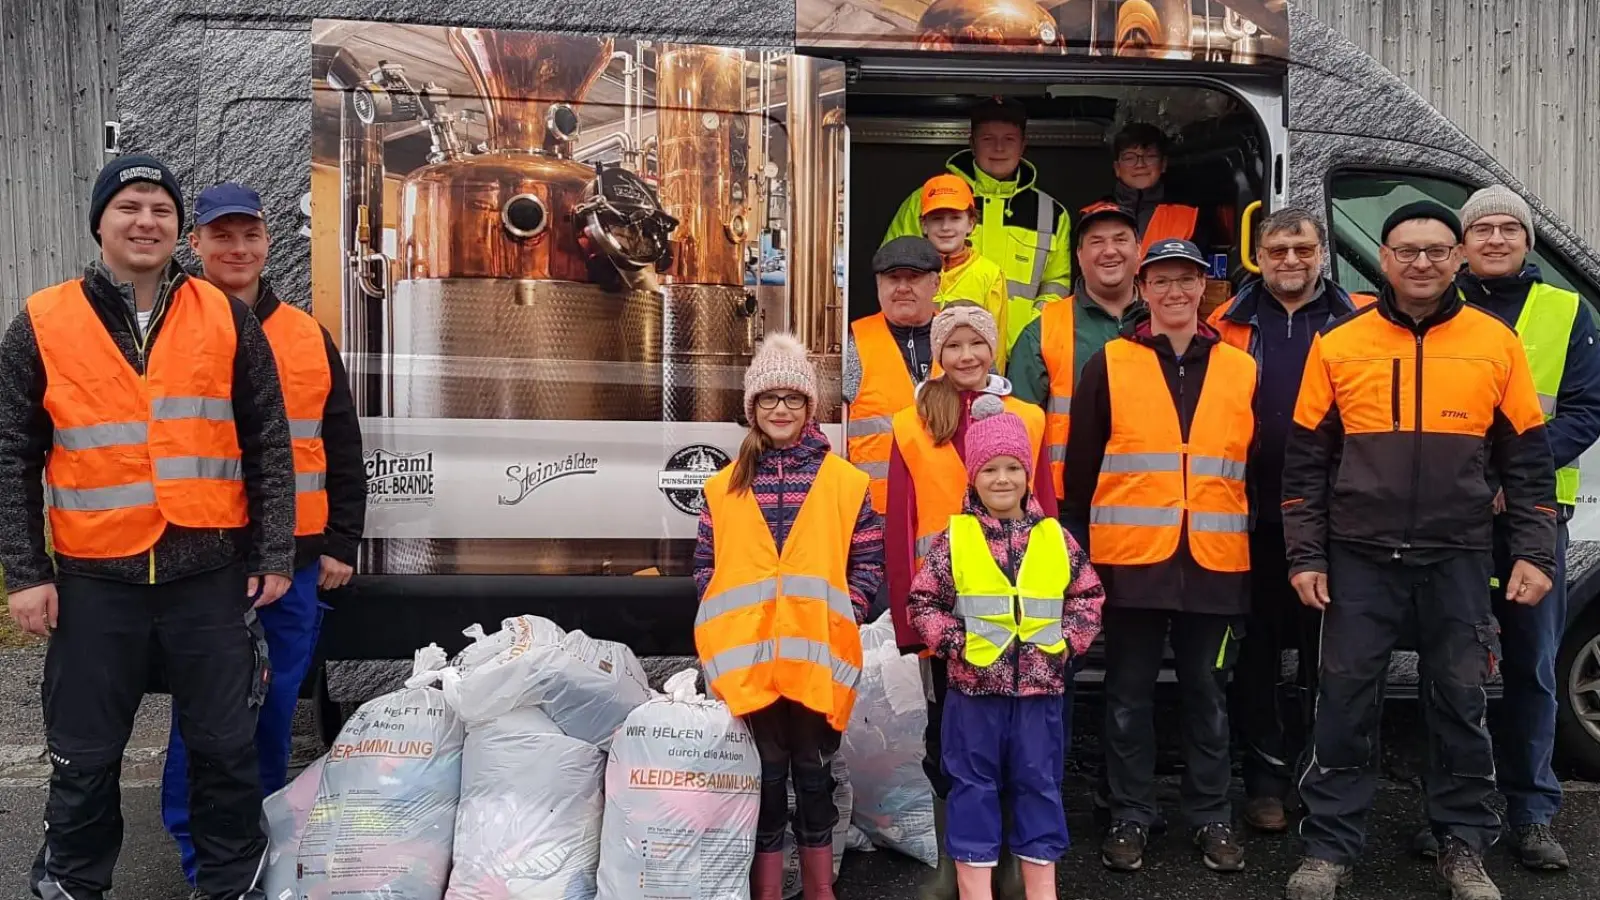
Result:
[1361,201]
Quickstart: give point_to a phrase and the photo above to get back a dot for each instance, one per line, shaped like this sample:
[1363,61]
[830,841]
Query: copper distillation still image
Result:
[1213,31]
[537,226]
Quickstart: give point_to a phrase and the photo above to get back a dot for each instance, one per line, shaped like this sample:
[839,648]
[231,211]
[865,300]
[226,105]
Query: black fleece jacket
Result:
[266,545]
[1178,584]
[341,440]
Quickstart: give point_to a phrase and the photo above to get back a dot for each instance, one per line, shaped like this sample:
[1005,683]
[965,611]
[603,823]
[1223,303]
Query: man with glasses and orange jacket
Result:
[1409,410]
[1273,318]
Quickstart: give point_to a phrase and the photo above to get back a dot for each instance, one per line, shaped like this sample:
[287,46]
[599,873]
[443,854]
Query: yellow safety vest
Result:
[997,612]
[1545,327]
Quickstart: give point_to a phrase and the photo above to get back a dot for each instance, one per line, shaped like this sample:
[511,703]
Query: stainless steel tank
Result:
[707,329]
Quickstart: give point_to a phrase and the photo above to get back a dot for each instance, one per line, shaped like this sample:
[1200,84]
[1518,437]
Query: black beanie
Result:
[1422,209]
[123,171]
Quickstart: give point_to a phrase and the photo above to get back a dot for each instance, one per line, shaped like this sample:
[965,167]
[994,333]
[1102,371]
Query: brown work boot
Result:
[1266,815]
[1220,847]
[1123,848]
[1317,879]
[1462,869]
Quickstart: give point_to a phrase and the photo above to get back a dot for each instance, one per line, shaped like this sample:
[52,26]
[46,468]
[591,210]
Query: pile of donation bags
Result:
[541,766]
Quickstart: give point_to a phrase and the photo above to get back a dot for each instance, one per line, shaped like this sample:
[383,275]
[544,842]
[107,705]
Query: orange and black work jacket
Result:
[1399,429]
[1156,470]
[165,449]
[330,479]
[779,623]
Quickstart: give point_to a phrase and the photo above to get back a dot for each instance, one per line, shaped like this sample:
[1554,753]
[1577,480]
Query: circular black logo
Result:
[686,473]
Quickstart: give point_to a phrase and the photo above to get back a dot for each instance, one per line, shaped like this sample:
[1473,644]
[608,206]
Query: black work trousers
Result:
[1374,603]
[795,740]
[1205,648]
[1271,713]
[202,632]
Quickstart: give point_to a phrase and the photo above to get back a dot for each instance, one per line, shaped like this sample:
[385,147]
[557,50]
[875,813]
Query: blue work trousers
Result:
[1010,749]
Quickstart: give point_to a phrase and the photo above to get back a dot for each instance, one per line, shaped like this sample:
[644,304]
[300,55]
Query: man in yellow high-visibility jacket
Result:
[1020,227]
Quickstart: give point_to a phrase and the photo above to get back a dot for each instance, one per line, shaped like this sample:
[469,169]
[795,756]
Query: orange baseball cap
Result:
[946,192]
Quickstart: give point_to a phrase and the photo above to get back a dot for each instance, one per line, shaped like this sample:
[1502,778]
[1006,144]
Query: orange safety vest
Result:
[1238,333]
[1058,345]
[886,387]
[1169,221]
[302,358]
[1150,478]
[939,473]
[132,453]
[777,625]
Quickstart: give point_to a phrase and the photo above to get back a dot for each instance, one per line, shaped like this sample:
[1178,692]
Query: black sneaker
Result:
[1462,869]
[1536,848]
[1123,848]
[1222,850]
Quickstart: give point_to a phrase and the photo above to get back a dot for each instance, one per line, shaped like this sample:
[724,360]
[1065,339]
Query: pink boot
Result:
[816,873]
[766,877]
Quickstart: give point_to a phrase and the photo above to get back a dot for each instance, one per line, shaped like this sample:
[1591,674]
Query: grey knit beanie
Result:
[780,363]
[1498,200]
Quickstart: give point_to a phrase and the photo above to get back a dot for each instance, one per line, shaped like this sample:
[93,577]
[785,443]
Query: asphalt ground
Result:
[148,869]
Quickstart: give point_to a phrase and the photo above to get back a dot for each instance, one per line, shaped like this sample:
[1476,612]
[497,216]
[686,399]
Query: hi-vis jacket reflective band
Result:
[1169,221]
[1057,344]
[772,625]
[132,454]
[938,472]
[995,611]
[302,359]
[1150,478]
[886,388]
[1545,327]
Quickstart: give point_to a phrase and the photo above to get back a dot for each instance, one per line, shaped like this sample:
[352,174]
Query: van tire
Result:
[1578,663]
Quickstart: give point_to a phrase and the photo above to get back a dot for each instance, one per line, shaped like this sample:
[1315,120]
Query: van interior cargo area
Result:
[1218,156]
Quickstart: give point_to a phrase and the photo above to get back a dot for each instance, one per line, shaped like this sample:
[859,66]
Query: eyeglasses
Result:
[791,401]
[1162,285]
[1485,230]
[1136,158]
[1279,254]
[1408,255]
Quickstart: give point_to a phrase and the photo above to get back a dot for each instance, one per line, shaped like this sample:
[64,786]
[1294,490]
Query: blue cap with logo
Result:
[226,199]
[1162,251]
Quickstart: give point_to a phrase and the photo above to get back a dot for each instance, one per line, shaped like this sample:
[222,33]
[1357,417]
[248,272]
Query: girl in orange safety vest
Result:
[927,484]
[789,552]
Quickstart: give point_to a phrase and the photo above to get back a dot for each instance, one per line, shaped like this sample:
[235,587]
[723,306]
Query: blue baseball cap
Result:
[226,199]
[1174,249]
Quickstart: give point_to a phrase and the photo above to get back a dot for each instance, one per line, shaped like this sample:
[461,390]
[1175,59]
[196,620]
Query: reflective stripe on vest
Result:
[1169,221]
[1058,345]
[1545,328]
[939,474]
[1044,234]
[781,625]
[995,611]
[1150,478]
[886,387]
[133,453]
[302,358]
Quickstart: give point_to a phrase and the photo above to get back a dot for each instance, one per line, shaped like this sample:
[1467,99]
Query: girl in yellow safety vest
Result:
[1006,598]
[927,482]
[789,551]
[949,214]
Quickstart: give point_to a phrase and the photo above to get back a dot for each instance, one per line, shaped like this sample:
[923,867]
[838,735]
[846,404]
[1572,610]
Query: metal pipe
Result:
[617,140]
[808,256]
